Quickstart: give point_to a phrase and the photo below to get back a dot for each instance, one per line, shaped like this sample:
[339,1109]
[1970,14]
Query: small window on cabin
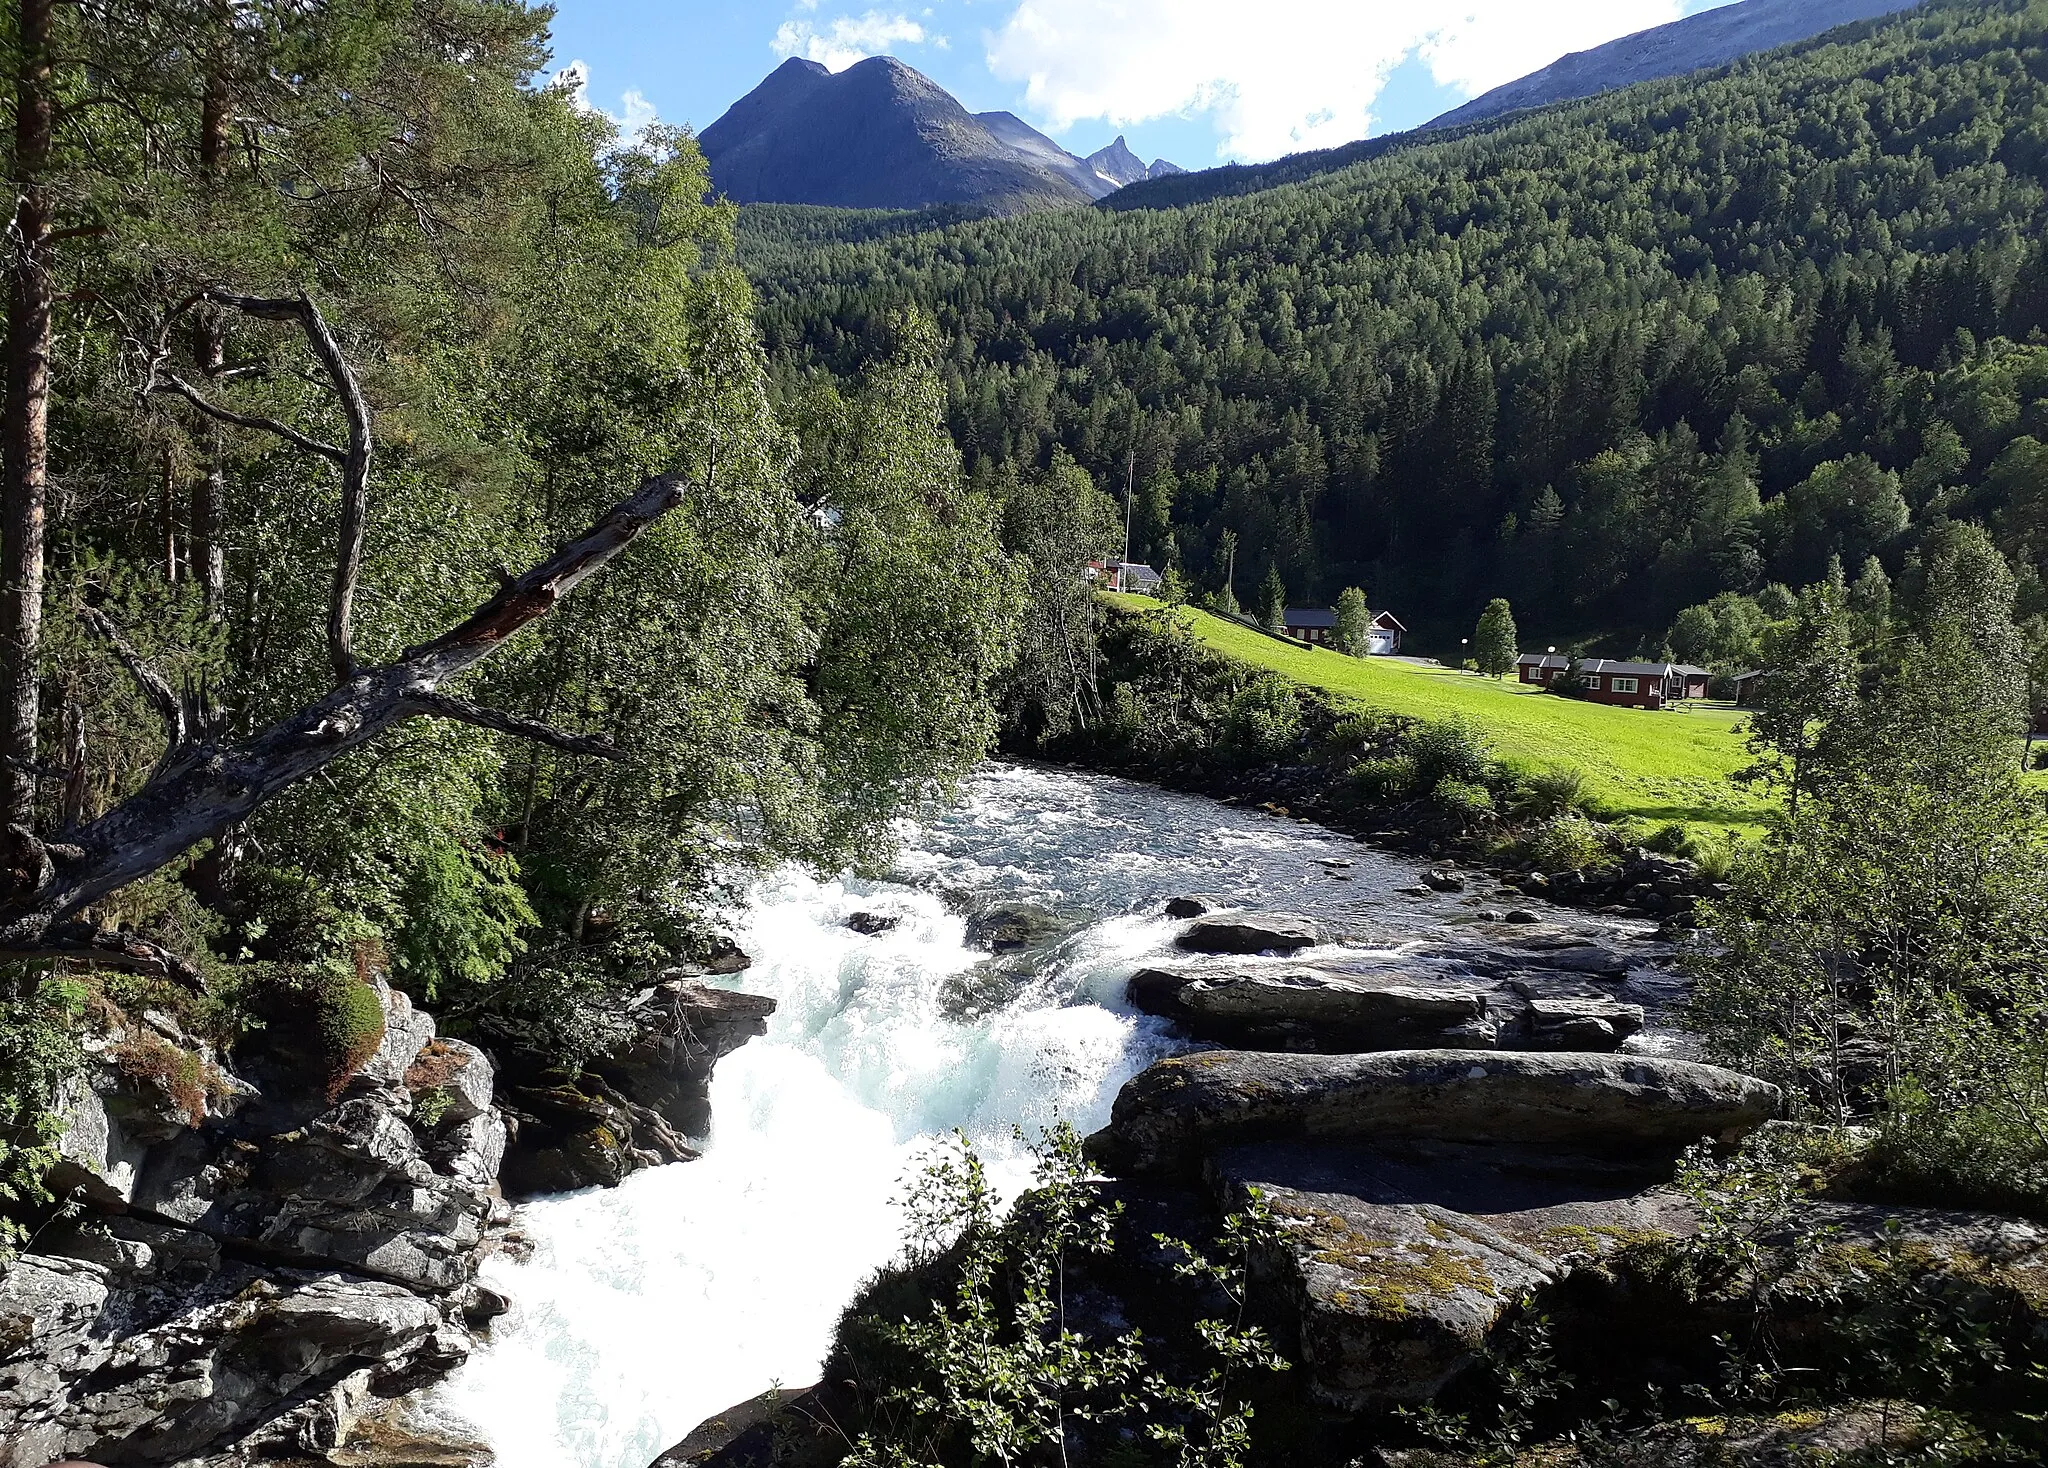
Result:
[1594,683]
[1624,685]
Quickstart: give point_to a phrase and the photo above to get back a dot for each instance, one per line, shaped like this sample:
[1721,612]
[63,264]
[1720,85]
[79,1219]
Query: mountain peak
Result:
[882,135]
[1119,165]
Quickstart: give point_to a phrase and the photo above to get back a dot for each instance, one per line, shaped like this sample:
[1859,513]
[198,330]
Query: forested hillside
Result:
[1611,360]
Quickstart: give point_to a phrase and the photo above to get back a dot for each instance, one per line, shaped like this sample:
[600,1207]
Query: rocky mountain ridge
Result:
[881,135]
[1706,39]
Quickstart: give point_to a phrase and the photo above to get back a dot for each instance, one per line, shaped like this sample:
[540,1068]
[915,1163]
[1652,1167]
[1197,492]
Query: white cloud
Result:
[635,111]
[849,38]
[1279,76]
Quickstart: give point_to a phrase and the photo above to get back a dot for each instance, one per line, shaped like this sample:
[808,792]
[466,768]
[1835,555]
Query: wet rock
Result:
[682,1029]
[1580,957]
[1021,925]
[1248,933]
[1582,1024]
[1439,880]
[779,1427]
[1521,915]
[1197,904]
[1299,1008]
[868,924]
[1166,1118]
[579,1133]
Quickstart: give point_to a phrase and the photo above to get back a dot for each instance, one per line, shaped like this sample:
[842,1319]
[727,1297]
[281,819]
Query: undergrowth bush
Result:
[1450,749]
[969,1352]
[39,1056]
[1386,780]
[1540,795]
[1565,843]
[1463,797]
[1264,720]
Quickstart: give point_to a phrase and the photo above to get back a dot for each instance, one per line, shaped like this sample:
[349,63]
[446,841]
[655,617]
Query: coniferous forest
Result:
[1610,361]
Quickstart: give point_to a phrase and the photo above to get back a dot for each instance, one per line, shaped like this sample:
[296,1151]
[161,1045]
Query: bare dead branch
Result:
[441,706]
[204,787]
[354,461]
[155,687]
[171,382]
[107,948]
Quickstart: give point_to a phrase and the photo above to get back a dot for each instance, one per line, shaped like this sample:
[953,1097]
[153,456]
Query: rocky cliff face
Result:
[260,1261]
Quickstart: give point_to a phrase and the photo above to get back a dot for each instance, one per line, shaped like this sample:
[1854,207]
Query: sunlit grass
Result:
[1668,765]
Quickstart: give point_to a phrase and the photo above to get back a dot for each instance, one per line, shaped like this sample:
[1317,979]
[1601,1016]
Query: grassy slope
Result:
[1663,766]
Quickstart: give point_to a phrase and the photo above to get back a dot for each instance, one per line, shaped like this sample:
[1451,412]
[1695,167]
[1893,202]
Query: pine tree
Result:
[1494,644]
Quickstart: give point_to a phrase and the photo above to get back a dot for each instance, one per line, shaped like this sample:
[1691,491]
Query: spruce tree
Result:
[1273,600]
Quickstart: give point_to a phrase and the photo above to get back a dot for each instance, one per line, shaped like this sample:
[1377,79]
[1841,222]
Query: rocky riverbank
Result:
[260,1265]
[1461,1181]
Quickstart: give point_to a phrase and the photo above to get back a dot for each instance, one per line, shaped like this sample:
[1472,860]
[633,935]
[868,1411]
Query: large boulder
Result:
[634,1107]
[682,1029]
[1305,1009]
[1245,933]
[1397,1264]
[1166,1118]
[149,1358]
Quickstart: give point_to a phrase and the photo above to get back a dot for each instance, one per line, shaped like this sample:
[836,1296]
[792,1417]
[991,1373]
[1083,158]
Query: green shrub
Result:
[1544,794]
[39,1053]
[1358,730]
[1566,843]
[1463,797]
[1449,750]
[1384,781]
[1264,719]
[971,1355]
[1670,839]
[464,913]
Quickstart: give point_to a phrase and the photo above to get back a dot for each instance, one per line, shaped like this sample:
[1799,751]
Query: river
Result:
[642,1310]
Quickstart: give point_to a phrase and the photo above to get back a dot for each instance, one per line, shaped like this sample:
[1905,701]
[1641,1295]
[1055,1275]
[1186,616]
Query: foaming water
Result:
[647,1308]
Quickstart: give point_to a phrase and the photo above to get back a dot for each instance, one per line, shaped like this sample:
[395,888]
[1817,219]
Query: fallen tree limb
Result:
[206,785]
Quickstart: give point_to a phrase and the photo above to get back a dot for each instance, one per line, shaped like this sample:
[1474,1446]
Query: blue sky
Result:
[1196,81]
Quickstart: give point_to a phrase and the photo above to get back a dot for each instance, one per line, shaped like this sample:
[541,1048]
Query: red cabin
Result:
[1632,685]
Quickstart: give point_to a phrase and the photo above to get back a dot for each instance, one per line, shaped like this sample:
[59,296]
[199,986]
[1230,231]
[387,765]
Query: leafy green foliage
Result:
[997,1370]
[1354,623]
[39,1055]
[1881,951]
[1494,642]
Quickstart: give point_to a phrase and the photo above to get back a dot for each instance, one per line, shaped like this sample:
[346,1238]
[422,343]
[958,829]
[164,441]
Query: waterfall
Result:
[643,1310]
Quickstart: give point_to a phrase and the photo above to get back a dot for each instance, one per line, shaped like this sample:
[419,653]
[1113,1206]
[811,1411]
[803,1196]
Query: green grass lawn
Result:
[1668,765]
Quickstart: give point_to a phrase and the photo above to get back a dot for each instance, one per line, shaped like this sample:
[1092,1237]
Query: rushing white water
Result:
[645,1309]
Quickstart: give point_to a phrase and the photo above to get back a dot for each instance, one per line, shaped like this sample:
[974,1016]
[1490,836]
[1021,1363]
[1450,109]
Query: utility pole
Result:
[1130,489]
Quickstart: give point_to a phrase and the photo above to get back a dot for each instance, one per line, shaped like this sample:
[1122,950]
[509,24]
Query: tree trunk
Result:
[209,558]
[24,434]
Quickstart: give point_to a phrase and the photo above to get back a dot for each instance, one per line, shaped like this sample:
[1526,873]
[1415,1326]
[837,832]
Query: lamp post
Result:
[1466,656]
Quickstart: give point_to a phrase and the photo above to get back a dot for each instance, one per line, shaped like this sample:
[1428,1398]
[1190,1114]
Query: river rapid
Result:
[642,1310]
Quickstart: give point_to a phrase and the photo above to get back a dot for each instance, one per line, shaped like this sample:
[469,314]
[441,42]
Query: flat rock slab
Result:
[1394,1291]
[1178,1110]
[1303,1008]
[1244,932]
